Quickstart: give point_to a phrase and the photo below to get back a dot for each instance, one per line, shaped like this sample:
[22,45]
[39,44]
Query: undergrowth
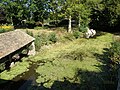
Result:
[74,61]
[64,60]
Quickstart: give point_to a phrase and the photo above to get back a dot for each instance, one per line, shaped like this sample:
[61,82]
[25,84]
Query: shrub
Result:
[2,66]
[6,28]
[73,55]
[38,43]
[83,29]
[114,57]
[52,37]
[44,38]
[29,32]
[30,24]
[41,40]
[2,30]
[114,52]
[38,28]
[69,36]
[76,34]
[114,61]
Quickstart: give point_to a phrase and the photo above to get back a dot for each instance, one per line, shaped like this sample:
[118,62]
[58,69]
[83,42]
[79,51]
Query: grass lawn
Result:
[73,62]
[73,65]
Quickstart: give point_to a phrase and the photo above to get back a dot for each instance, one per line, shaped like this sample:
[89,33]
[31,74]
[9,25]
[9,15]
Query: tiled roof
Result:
[12,41]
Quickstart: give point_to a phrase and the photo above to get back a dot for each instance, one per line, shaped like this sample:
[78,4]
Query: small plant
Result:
[40,40]
[29,33]
[114,61]
[38,43]
[38,28]
[6,28]
[83,29]
[76,34]
[69,36]
[114,52]
[52,37]
[2,66]
[2,30]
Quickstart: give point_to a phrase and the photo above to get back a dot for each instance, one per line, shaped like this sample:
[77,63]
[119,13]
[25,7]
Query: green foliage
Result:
[70,65]
[52,37]
[44,39]
[74,55]
[6,28]
[69,36]
[115,52]
[38,43]
[76,34]
[18,69]
[2,30]
[29,32]
[74,61]
[38,28]
[104,13]
[83,28]
[2,66]
[113,61]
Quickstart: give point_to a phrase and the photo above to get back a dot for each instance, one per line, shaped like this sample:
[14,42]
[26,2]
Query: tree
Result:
[14,10]
[2,16]
[69,8]
[77,9]
[41,11]
[83,12]
[55,9]
[105,15]
[113,9]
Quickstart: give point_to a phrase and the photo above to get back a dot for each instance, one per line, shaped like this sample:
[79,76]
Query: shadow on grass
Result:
[108,73]
[89,80]
[14,60]
[10,85]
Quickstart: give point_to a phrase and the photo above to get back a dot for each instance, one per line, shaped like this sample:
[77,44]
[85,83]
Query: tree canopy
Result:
[98,14]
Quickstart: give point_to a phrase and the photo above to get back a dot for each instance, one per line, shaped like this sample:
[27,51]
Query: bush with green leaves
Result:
[6,28]
[40,40]
[2,30]
[83,28]
[114,52]
[69,36]
[76,34]
[38,43]
[52,37]
[114,61]
[29,32]
[38,28]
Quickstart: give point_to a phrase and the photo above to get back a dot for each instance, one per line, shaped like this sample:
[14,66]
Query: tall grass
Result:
[74,61]
[64,60]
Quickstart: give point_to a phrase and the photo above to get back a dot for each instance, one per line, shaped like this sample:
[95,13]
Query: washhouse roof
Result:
[13,41]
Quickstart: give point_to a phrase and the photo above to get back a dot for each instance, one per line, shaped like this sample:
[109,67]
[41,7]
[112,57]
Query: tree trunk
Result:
[11,20]
[69,26]
[79,22]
